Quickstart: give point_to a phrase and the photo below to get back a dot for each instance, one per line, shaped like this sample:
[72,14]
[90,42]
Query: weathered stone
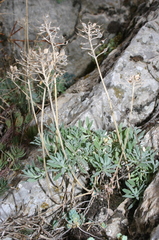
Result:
[153,67]
[130,72]
[34,197]
[66,14]
[151,138]
[138,61]
[7,238]
[147,214]
[104,214]
[155,234]
[118,221]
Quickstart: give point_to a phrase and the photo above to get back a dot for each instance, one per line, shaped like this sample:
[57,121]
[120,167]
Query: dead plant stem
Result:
[107,94]
[43,142]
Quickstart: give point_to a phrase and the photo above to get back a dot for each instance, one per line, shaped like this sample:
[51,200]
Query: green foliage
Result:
[130,137]
[19,116]
[3,186]
[114,42]
[98,153]
[109,46]
[141,161]
[74,219]
[12,95]
[3,160]
[15,119]
[16,116]
[85,150]
[121,237]
[64,82]
[33,173]
[11,157]
[16,153]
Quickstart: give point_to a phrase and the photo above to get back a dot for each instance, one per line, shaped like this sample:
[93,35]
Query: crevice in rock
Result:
[130,31]
[73,35]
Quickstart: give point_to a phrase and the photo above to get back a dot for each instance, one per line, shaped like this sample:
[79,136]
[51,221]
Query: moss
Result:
[110,45]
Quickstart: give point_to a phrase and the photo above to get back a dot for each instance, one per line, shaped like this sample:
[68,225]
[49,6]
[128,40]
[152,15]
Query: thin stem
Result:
[56,123]
[56,104]
[80,184]
[43,142]
[106,91]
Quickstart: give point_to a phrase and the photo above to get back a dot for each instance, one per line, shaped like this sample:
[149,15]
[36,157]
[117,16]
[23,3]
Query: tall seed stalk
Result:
[41,68]
[91,32]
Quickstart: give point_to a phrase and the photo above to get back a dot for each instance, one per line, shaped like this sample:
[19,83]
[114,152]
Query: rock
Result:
[24,197]
[130,71]
[66,14]
[147,214]
[7,238]
[120,88]
[29,198]
[151,138]
[155,234]
[103,214]
[114,27]
[153,67]
[118,222]
[135,63]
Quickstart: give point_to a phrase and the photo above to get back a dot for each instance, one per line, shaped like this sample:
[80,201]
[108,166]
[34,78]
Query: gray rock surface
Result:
[137,62]
[147,214]
[151,138]
[66,14]
[86,99]
[118,221]
[155,234]
[29,198]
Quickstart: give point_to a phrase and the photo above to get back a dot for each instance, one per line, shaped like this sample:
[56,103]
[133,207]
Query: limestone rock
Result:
[129,82]
[155,234]
[118,221]
[66,14]
[120,83]
[147,214]
[151,138]
[136,64]
[30,198]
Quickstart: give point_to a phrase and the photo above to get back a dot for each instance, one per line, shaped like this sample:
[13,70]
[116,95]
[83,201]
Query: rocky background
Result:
[135,57]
